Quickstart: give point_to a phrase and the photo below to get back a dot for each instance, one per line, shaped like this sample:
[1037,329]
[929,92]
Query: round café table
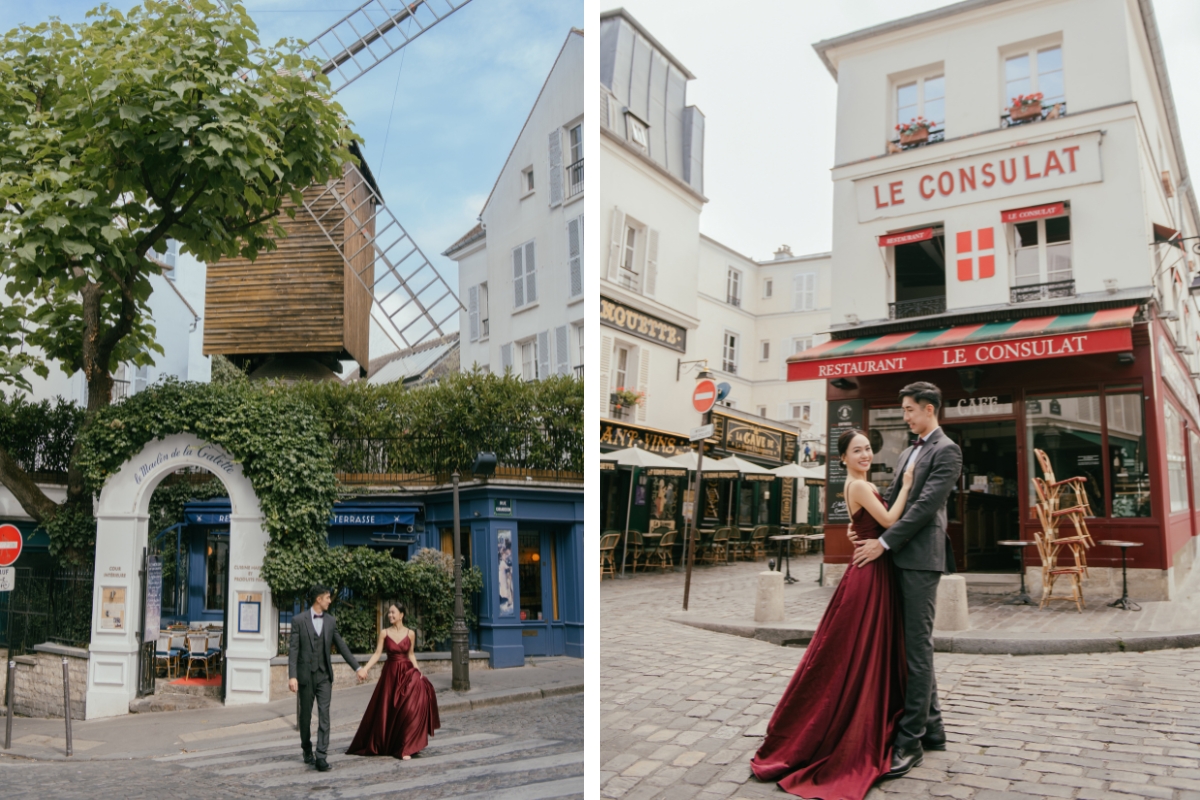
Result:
[1019,545]
[1124,602]
[781,539]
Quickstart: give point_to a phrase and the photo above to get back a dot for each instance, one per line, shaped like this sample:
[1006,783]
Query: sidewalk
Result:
[237,728]
[722,599]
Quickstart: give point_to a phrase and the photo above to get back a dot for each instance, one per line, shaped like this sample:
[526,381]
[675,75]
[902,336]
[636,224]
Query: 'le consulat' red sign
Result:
[964,355]
[907,237]
[1033,213]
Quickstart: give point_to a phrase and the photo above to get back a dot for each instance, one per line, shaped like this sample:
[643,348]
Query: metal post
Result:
[460,654]
[691,554]
[628,514]
[8,701]
[67,701]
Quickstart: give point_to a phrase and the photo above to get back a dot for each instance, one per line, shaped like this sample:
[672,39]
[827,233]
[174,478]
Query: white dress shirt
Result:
[912,457]
[318,623]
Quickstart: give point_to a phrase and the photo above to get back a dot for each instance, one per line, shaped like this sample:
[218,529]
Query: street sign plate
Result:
[704,396]
[10,544]
[8,578]
[703,432]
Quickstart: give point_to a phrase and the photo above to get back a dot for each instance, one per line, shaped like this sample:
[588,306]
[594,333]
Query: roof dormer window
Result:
[638,132]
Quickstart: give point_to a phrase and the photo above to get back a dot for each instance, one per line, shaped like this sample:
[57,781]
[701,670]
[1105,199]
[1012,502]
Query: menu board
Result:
[843,414]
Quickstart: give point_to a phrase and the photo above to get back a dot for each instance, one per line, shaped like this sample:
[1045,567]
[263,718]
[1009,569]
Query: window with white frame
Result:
[764,352]
[526,181]
[923,98]
[575,136]
[1035,71]
[579,341]
[733,287]
[729,352]
[801,343]
[629,277]
[624,366]
[484,325]
[804,293]
[529,360]
[1042,251]
[768,287]
[524,275]
[637,132]
[762,411]
[800,412]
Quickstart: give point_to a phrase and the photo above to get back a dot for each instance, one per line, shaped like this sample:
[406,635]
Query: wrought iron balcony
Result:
[917,308]
[1052,111]
[575,178]
[1041,291]
[120,390]
[579,372]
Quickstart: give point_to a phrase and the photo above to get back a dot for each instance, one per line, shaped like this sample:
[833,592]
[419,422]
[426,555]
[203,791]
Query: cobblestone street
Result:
[683,709]
[519,751]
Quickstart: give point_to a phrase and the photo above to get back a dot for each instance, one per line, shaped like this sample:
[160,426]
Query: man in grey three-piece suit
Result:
[920,549]
[310,671]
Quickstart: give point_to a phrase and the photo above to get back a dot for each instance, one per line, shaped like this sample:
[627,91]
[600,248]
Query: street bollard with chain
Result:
[67,701]
[8,701]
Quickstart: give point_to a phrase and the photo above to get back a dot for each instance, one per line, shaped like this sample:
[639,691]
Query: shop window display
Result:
[1068,429]
[1127,454]
[1176,459]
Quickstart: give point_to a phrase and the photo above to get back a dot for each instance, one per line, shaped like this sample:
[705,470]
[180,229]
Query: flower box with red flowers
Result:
[915,131]
[1026,106]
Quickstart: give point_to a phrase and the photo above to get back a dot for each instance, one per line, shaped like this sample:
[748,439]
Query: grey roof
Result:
[473,235]
[1156,52]
[637,26]
[413,362]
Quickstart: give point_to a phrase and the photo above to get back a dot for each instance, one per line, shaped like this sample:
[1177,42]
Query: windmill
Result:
[346,260]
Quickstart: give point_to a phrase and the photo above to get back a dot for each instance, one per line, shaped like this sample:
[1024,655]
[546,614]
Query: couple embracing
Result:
[863,702]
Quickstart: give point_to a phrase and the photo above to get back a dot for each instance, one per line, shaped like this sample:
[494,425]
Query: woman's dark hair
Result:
[846,438]
[399,607]
[923,393]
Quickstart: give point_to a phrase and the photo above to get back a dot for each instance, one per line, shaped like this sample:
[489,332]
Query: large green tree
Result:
[170,121]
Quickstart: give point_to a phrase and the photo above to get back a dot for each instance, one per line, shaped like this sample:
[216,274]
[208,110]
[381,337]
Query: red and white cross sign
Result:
[984,240]
[10,544]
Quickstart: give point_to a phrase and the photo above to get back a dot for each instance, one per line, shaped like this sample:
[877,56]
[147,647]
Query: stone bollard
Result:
[951,612]
[768,605]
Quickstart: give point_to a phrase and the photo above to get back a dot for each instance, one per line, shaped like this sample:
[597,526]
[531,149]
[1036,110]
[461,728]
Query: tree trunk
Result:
[28,494]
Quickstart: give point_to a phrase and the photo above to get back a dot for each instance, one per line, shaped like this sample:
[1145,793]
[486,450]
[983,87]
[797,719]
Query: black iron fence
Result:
[435,457]
[1041,291]
[917,308]
[575,178]
[47,604]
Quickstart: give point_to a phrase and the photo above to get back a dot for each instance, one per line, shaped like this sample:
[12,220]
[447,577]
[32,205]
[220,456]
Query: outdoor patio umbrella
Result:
[635,458]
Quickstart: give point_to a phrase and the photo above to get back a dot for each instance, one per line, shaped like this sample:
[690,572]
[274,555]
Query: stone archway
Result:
[121,533]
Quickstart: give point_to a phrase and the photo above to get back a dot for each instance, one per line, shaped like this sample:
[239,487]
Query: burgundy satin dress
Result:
[830,737]
[403,711]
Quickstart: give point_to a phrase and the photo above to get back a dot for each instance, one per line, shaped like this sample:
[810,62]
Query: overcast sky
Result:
[769,104]
[462,92]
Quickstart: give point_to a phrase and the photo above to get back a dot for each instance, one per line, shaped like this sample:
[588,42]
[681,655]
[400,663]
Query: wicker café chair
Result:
[635,548]
[758,542]
[198,652]
[666,550]
[719,549]
[608,545]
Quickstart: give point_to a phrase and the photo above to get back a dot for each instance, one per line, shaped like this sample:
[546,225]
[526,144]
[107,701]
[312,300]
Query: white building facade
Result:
[521,270]
[1024,243]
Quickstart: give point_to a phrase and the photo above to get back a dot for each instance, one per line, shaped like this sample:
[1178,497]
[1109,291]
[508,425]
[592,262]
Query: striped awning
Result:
[1106,331]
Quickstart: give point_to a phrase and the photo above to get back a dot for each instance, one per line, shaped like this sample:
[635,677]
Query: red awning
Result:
[1107,331]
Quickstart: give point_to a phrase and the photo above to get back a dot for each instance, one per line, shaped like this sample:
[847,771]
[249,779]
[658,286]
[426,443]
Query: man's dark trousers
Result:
[320,687]
[922,711]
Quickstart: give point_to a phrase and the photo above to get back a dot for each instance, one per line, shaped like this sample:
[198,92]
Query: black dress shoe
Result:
[308,757]
[323,765]
[934,742]
[904,759]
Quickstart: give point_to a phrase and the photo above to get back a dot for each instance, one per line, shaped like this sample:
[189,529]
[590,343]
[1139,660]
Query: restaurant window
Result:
[1127,454]
[733,287]
[216,579]
[529,558]
[746,505]
[1033,72]
[1068,430]
[920,277]
[1176,459]
[1042,251]
[729,352]
[925,97]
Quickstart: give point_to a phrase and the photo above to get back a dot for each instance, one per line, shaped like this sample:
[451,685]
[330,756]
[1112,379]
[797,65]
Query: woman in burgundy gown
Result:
[403,711]
[830,736]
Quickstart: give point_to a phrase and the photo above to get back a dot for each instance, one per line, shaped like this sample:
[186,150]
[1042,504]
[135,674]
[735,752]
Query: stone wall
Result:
[344,677]
[38,687]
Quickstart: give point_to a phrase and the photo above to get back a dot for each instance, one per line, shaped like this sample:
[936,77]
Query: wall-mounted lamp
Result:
[970,377]
[701,362]
[485,464]
[1110,285]
[1125,358]
[844,384]
[852,319]
[1169,316]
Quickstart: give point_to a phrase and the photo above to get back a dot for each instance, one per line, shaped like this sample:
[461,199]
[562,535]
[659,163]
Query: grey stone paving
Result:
[520,750]
[683,709]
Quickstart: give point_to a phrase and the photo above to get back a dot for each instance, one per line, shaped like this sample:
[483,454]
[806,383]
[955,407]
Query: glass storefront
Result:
[216,579]
[1069,430]
[1127,454]
[1177,480]
[529,557]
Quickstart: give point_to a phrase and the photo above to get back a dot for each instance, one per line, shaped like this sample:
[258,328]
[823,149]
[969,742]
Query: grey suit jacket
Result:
[919,540]
[305,647]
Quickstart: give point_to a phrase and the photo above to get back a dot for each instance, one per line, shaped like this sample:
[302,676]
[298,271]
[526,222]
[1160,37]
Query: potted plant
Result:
[915,130]
[623,399]
[1025,106]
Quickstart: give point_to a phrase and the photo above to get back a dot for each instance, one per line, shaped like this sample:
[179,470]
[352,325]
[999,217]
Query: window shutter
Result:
[543,355]
[575,255]
[606,349]
[797,292]
[556,168]
[614,250]
[473,312]
[518,279]
[643,381]
[604,119]
[562,344]
[506,357]
[530,275]
[651,273]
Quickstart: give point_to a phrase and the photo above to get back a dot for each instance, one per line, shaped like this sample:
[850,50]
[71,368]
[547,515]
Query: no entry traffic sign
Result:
[10,544]
[704,397]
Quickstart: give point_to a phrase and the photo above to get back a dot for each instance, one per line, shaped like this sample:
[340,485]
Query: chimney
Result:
[783,252]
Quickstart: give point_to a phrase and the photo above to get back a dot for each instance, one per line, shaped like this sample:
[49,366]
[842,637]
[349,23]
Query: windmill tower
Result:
[346,261]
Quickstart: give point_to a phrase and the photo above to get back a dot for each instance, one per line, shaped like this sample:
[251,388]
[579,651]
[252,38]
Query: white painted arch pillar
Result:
[122,530]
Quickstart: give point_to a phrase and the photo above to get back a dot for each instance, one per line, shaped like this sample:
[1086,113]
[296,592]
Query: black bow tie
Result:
[317,616]
[919,443]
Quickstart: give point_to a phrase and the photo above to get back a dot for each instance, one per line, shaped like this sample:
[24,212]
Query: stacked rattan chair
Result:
[1062,544]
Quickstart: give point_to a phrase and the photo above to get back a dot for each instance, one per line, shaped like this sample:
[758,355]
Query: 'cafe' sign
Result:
[989,176]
